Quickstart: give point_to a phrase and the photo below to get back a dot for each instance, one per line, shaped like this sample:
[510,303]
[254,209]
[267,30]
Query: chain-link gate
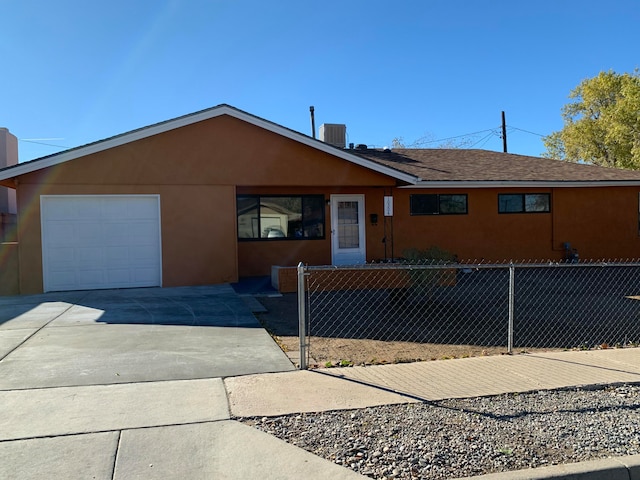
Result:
[492,307]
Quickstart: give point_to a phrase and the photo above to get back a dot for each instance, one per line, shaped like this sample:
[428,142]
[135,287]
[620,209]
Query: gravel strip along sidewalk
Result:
[465,437]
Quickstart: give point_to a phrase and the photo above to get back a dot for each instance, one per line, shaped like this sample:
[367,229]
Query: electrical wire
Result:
[41,143]
[492,131]
[485,139]
[527,131]
[458,136]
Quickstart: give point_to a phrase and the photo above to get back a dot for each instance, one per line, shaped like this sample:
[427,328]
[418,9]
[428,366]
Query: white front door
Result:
[347,230]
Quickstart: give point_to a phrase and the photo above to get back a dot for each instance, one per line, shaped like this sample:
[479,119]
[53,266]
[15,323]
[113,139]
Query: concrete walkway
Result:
[357,387]
[75,418]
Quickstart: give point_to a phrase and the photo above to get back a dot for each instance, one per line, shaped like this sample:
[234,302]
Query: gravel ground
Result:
[464,437]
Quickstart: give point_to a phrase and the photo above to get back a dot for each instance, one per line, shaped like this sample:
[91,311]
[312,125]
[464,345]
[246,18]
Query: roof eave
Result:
[522,183]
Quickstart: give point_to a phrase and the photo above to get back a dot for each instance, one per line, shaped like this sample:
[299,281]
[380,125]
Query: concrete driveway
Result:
[133,335]
[121,384]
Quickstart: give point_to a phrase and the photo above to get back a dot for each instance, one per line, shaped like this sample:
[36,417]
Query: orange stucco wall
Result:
[599,222]
[195,170]
[9,269]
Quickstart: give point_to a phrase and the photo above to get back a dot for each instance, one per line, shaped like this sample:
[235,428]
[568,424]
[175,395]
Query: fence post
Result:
[512,294]
[302,320]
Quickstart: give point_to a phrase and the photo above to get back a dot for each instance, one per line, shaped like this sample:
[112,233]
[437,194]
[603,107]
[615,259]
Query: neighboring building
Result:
[221,194]
[8,207]
[8,157]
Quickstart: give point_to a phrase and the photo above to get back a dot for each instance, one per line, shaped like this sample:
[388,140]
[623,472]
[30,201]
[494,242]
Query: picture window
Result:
[280,217]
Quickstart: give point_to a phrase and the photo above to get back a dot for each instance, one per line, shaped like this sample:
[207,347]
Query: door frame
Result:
[358,254]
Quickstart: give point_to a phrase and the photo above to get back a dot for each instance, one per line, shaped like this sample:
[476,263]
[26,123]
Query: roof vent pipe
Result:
[313,122]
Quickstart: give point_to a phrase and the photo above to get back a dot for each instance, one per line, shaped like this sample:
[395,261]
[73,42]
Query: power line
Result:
[527,131]
[458,136]
[492,131]
[484,139]
[41,143]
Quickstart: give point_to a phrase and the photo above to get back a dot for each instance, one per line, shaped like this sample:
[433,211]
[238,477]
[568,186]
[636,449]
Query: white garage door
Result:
[100,241]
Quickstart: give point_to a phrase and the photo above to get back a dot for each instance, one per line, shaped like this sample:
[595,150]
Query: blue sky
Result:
[75,71]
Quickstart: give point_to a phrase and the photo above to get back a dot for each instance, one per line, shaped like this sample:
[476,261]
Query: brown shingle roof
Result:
[484,165]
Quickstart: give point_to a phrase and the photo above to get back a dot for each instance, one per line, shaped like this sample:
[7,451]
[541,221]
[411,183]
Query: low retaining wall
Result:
[285,279]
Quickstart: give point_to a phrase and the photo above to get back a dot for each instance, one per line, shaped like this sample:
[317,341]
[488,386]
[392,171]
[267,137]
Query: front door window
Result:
[348,225]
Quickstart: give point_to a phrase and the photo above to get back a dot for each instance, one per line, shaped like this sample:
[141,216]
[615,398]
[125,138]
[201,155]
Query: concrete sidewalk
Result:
[358,387]
[173,416]
[185,429]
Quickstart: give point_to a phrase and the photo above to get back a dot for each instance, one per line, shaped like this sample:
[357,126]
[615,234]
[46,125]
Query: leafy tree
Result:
[602,124]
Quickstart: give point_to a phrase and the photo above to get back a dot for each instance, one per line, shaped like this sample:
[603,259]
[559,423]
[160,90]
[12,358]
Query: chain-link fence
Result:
[468,308]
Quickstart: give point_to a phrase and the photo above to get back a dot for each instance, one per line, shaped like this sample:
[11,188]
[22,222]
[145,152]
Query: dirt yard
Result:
[281,320]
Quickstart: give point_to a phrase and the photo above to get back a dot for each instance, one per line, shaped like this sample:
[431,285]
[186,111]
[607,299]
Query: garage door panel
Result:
[62,257]
[140,210]
[117,233]
[55,210]
[144,275]
[101,241]
[91,278]
[144,255]
[59,233]
[141,234]
[117,208]
[63,280]
[89,257]
[118,256]
[84,210]
[89,231]
[116,275]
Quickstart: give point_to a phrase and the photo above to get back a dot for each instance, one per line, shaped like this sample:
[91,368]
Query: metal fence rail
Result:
[514,307]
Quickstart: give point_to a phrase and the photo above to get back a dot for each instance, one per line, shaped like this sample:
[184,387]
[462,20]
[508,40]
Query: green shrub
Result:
[430,256]
[424,279]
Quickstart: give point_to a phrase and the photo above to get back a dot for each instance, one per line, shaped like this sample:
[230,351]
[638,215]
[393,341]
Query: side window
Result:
[524,203]
[453,204]
[423,204]
[438,204]
[510,203]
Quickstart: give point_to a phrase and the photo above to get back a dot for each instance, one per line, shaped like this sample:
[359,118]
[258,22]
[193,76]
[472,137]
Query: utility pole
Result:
[504,133]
